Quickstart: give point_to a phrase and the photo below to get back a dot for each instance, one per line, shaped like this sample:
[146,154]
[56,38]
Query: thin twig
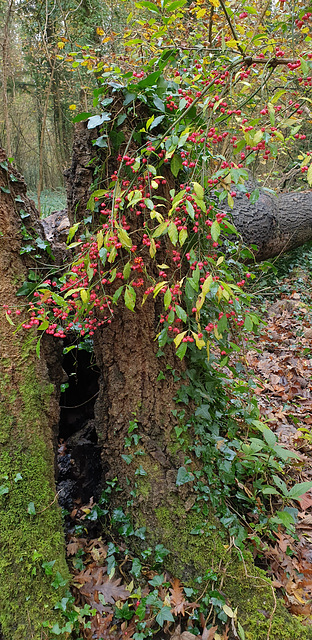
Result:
[76,406]
[231,26]
[49,505]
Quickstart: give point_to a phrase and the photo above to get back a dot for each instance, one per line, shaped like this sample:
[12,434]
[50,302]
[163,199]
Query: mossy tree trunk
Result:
[138,386]
[31,527]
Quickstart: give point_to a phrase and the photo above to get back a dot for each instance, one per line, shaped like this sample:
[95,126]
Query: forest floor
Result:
[280,362]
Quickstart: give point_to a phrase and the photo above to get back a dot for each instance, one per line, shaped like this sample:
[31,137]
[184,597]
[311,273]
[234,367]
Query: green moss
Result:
[192,555]
[27,598]
[143,487]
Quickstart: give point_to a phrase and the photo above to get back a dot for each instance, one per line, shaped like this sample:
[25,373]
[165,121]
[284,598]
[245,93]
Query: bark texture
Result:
[275,224]
[28,419]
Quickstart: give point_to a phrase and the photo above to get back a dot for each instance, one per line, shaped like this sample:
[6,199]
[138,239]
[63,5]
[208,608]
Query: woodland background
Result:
[186,488]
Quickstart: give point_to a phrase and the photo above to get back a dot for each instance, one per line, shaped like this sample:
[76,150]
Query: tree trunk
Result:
[276,224]
[138,386]
[31,526]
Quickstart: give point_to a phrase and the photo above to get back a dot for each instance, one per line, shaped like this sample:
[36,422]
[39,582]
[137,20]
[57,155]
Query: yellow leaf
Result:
[124,238]
[206,285]
[106,40]
[198,190]
[99,31]
[61,45]
[159,286]
[84,296]
[8,318]
[100,239]
[178,339]
[72,107]
[152,248]
[215,3]
[217,334]
[182,236]
[200,13]
[257,137]
[200,343]
[309,175]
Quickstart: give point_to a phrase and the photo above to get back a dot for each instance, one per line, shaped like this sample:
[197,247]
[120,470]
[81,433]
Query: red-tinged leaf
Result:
[209,634]
[177,599]
[110,589]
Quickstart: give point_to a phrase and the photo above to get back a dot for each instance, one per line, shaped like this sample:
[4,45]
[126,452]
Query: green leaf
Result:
[159,104]
[72,231]
[248,324]
[82,116]
[163,615]
[56,629]
[117,294]
[140,612]
[152,78]
[198,190]
[136,568]
[144,4]
[176,164]
[48,567]
[190,209]
[182,315]
[254,196]
[130,297]
[181,350]
[167,298]
[183,477]
[31,509]
[241,631]
[156,122]
[281,485]
[215,230]
[160,553]
[299,489]
[270,437]
[58,581]
[96,121]
[177,4]
[173,233]
[3,490]
[126,271]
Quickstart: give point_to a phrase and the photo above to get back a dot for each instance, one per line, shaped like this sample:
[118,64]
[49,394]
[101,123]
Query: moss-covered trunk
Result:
[31,527]
[138,390]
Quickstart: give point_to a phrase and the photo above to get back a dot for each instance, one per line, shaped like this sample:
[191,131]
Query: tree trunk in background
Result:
[5,71]
[31,526]
[276,224]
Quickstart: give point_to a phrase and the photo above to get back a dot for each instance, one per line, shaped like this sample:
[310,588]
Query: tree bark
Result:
[31,526]
[275,223]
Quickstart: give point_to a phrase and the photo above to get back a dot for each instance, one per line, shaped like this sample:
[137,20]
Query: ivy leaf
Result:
[136,568]
[163,615]
[96,121]
[31,509]
[183,477]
